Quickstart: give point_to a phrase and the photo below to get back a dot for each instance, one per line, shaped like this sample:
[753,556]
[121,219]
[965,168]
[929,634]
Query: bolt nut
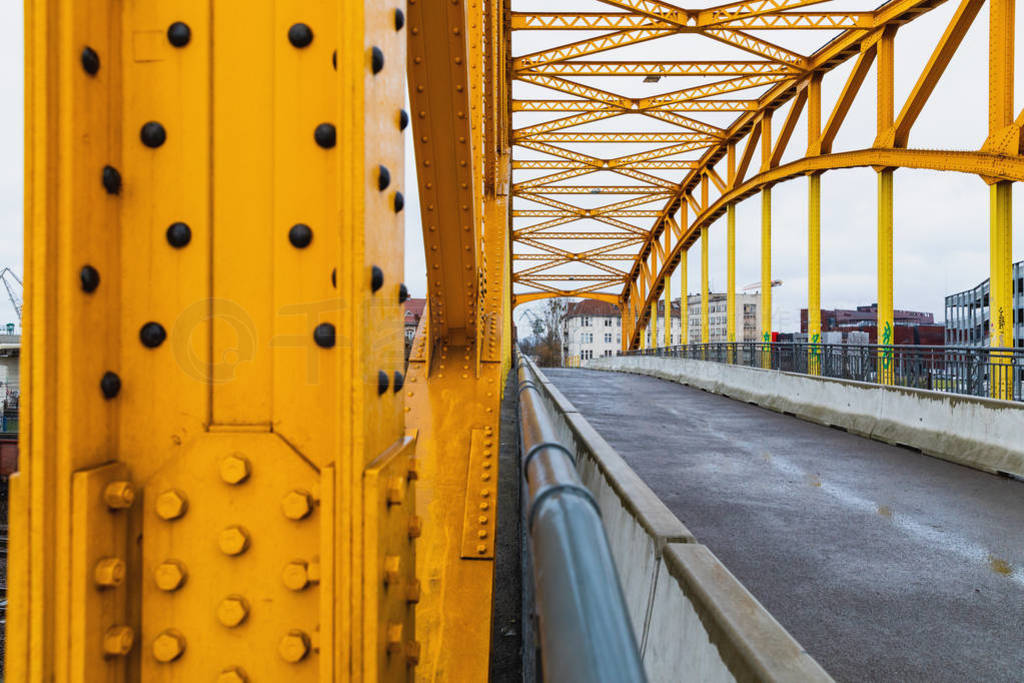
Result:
[171,504]
[232,610]
[118,641]
[109,572]
[414,469]
[168,646]
[396,490]
[295,575]
[233,674]
[394,637]
[234,540]
[412,652]
[297,504]
[119,495]
[170,575]
[294,646]
[412,591]
[415,526]
[234,469]
[392,569]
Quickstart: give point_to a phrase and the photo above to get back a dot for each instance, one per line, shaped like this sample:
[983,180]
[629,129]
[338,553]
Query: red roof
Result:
[414,309]
[592,307]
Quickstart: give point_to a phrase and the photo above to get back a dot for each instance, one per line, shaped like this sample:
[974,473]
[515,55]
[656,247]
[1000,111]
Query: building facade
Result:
[590,329]
[860,326]
[747,316]
[967,313]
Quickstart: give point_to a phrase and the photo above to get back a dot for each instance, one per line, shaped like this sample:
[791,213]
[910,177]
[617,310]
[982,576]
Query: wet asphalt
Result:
[884,563]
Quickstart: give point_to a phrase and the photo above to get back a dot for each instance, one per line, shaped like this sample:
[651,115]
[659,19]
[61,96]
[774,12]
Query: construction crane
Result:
[757,285]
[11,294]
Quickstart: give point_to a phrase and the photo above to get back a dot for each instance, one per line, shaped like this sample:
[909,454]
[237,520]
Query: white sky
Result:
[941,235]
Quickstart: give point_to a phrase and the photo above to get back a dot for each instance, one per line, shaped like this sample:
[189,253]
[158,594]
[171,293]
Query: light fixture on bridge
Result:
[652,79]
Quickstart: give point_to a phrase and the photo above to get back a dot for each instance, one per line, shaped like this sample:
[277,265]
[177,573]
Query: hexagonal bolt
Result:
[297,504]
[233,674]
[412,652]
[170,575]
[412,591]
[109,572]
[396,490]
[232,610]
[392,570]
[415,526]
[294,646]
[234,469]
[234,540]
[118,641]
[394,637]
[119,495]
[168,645]
[295,575]
[171,504]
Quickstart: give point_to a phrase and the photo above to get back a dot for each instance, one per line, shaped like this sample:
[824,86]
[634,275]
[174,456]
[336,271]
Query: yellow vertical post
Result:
[654,324]
[730,304]
[684,300]
[766,271]
[668,310]
[705,327]
[814,273]
[886,331]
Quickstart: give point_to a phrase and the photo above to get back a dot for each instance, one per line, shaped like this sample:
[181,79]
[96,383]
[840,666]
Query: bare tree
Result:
[546,333]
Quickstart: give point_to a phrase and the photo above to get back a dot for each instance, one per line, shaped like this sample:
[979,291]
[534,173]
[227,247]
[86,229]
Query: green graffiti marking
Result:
[887,340]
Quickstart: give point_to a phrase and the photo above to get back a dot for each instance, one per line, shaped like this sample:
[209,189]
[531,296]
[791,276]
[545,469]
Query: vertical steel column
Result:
[668,310]
[684,299]
[705,327]
[814,272]
[766,270]
[654,324]
[730,246]
[886,331]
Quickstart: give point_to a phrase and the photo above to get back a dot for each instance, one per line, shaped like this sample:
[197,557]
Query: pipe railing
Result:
[585,629]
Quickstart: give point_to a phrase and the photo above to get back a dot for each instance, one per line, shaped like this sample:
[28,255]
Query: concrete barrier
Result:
[982,433]
[693,619]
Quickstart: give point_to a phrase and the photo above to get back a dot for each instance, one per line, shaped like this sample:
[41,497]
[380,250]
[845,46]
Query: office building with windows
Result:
[967,313]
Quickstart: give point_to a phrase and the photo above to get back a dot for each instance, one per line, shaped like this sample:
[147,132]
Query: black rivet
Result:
[403,293]
[323,335]
[300,35]
[383,178]
[399,382]
[90,279]
[376,279]
[178,234]
[399,202]
[376,59]
[90,61]
[334,278]
[153,134]
[111,180]
[382,382]
[179,34]
[399,19]
[403,119]
[300,235]
[325,135]
[334,60]
[110,385]
[152,335]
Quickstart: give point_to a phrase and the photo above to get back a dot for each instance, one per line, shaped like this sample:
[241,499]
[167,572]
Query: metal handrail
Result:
[585,630]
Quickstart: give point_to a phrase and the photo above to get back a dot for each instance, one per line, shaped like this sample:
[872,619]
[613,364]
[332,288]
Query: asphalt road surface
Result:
[884,563]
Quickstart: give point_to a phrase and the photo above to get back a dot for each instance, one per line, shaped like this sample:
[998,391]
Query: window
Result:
[607,322]
[586,354]
[587,338]
[608,338]
[607,353]
[585,322]
[618,339]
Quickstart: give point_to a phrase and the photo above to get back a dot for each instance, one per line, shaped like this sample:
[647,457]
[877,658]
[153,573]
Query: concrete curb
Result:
[982,433]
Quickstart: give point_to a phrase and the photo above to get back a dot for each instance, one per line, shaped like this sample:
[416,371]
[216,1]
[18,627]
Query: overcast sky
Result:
[941,234]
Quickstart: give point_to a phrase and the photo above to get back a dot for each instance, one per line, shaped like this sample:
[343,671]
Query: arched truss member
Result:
[693,208]
[538,296]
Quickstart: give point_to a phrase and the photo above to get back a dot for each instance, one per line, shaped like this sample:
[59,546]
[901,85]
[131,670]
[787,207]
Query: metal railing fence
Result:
[971,371]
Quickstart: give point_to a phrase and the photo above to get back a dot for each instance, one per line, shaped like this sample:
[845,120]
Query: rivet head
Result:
[110,385]
[119,495]
[233,674]
[118,641]
[234,469]
[300,35]
[334,60]
[376,59]
[153,134]
[403,119]
[170,575]
[168,646]
[111,180]
[399,202]
[323,335]
[396,490]
[178,34]
[382,382]
[403,293]
[412,591]
[294,646]
[297,504]
[415,526]
[90,61]
[399,382]
[383,178]
[109,572]
[325,135]
[178,234]
[152,335]
[171,504]
[376,278]
[233,541]
[394,637]
[392,569]
[300,235]
[295,575]
[412,652]
[232,611]
[399,19]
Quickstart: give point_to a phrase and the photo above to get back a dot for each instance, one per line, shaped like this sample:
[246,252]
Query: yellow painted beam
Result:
[766,264]
[814,270]
[705,326]
[886,330]
[730,247]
